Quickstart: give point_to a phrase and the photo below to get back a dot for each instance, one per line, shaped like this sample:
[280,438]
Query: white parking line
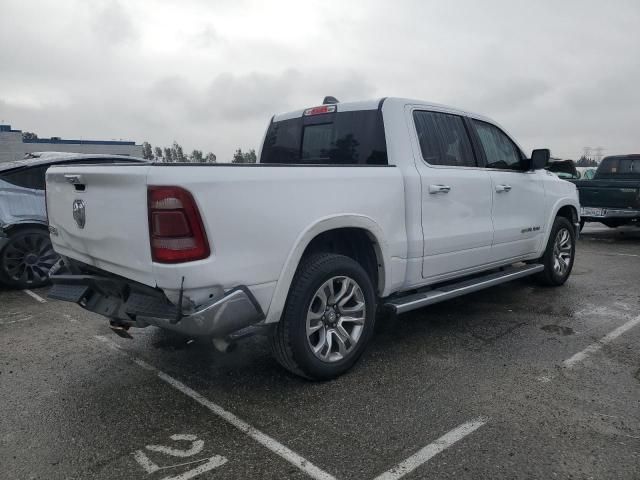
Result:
[594,347]
[265,440]
[28,317]
[35,296]
[431,450]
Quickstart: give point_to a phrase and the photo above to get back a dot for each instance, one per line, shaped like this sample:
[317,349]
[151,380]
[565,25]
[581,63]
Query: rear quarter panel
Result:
[259,219]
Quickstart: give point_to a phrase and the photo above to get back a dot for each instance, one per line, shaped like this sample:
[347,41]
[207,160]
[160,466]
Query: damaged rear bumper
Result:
[132,304]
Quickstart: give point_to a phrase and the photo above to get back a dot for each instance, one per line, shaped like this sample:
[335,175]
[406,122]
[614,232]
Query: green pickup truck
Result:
[613,196]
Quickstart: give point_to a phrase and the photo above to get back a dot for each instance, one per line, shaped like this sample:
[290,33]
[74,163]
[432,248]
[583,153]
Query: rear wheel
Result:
[328,318]
[26,260]
[559,255]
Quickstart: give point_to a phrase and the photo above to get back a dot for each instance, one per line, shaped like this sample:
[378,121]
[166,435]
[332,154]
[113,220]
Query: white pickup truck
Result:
[391,203]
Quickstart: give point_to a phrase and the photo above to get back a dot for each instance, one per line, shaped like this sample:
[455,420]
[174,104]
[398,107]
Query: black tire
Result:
[289,342]
[550,276]
[26,259]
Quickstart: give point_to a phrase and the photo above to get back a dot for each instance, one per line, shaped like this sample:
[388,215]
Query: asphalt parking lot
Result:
[517,381]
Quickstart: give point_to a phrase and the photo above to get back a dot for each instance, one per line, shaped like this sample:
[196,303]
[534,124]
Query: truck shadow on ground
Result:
[436,332]
[611,235]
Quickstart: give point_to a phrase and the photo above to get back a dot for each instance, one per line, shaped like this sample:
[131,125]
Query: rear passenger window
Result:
[443,139]
[498,148]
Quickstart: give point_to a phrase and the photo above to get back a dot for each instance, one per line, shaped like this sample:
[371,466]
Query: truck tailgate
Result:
[98,215]
[610,194]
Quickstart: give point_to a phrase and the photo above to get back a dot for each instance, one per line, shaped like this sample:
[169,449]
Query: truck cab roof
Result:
[375,103]
[394,106]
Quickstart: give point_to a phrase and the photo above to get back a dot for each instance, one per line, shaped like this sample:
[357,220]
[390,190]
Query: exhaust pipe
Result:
[223,345]
[120,329]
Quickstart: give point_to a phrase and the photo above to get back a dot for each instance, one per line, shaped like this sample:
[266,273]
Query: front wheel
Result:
[328,318]
[559,255]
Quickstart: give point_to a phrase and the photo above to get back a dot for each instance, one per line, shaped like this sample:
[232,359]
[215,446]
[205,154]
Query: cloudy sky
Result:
[210,73]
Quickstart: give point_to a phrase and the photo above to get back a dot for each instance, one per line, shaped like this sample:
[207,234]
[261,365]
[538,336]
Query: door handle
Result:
[503,188]
[439,188]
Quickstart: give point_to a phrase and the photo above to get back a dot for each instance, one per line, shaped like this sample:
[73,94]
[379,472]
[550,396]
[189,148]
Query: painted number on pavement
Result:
[193,447]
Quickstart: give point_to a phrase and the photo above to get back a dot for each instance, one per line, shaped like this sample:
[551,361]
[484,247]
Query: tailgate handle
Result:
[76,181]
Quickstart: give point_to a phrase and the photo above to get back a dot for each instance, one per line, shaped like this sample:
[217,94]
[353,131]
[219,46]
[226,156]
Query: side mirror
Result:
[539,158]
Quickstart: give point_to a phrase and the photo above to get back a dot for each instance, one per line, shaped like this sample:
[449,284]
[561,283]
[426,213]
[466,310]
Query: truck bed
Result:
[253,215]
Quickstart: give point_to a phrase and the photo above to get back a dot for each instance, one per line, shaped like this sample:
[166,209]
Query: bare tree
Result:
[196,156]
[177,153]
[147,151]
[29,136]
[248,157]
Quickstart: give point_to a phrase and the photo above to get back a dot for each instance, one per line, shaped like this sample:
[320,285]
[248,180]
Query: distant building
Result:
[14,147]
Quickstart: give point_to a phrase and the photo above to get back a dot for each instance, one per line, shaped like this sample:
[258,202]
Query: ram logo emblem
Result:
[79,214]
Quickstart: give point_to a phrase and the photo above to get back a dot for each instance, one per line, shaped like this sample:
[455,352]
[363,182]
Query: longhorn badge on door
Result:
[79,214]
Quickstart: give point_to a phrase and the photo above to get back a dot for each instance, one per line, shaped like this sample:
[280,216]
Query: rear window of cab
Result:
[339,138]
[620,167]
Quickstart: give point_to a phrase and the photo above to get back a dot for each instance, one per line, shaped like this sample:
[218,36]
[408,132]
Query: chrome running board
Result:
[440,294]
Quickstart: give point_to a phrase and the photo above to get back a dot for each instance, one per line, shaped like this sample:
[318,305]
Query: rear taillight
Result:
[175,227]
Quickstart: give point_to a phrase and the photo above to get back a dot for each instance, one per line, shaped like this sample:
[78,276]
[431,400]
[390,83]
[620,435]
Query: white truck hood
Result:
[113,201]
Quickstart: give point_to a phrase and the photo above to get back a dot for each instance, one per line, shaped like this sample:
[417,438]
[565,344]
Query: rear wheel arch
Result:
[355,243]
[346,233]
[16,227]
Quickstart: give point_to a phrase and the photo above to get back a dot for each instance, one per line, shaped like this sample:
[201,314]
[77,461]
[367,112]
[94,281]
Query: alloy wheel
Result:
[335,319]
[27,259]
[562,250]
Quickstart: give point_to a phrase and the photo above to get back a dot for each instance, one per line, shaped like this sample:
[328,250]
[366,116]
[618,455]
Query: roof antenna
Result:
[330,100]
